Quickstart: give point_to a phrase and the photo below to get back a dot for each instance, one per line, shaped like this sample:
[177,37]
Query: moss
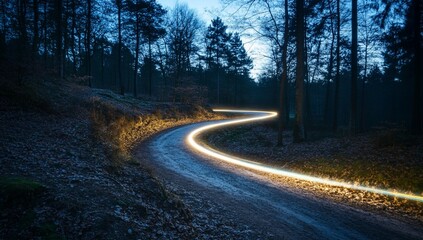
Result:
[16,190]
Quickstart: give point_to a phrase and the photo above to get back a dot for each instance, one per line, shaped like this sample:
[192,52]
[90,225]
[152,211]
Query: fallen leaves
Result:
[360,160]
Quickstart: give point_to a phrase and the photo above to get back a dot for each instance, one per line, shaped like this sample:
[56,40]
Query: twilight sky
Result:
[209,9]
[203,7]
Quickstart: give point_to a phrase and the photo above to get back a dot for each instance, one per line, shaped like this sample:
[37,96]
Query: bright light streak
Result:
[262,115]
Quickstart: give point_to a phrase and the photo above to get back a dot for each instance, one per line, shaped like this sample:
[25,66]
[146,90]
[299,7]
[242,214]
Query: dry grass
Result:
[121,129]
[390,159]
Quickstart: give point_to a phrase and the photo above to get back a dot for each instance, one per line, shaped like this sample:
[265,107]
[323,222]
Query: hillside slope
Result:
[67,170]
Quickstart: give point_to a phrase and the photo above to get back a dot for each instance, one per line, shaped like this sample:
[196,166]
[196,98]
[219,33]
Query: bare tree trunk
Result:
[137,50]
[338,66]
[299,131]
[161,64]
[73,45]
[80,57]
[23,36]
[315,68]
[330,69]
[307,111]
[45,34]
[65,38]
[313,76]
[363,86]
[284,80]
[88,46]
[4,17]
[150,70]
[3,32]
[21,6]
[103,82]
[354,70]
[35,32]
[59,38]
[417,114]
[218,78]
[119,7]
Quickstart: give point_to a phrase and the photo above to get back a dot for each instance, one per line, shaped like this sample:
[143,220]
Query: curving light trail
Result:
[262,115]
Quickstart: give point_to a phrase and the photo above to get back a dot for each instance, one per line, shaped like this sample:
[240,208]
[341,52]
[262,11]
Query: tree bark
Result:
[45,34]
[338,66]
[354,70]
[330,74]
[307,105]
[3,32]
[284,80]
[137,50]
[65,37]
[88,46]
[417,114]
[150,70]
[23,36]
[103,82]
[35,32]
[73,45]
[363,86]
[299,131]
[119,8]
[59,38]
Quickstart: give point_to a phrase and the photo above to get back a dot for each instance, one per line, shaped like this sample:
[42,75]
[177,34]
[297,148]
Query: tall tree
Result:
[22,9]
[35,28]
[283,96]
[183,32]
[3,30]
[239,66]
[299,130]
[152,29]
[338,66]
[217,39]
[119,52]
[416,123]
[146,19]
[354,67]
[330,67]
[136,8]
[88,41]
[368,40]
[73,36]
[59,38]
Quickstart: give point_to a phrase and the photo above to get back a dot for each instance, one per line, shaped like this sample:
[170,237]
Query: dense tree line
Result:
[130,46]
[339,65]
[333,64]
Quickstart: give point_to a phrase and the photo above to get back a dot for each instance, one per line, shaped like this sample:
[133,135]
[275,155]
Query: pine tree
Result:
[217,43]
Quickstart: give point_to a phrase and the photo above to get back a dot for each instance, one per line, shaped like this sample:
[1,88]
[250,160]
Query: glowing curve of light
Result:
[262,115]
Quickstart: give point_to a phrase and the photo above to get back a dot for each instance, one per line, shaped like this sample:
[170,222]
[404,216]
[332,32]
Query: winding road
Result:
[254,200]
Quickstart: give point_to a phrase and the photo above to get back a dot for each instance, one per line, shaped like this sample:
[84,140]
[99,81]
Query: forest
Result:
[332,64]
[257,119]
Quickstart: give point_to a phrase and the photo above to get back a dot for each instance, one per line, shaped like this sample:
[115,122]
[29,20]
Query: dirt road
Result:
[262,208]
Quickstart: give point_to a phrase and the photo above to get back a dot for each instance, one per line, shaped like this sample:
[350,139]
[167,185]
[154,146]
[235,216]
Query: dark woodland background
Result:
[334,65]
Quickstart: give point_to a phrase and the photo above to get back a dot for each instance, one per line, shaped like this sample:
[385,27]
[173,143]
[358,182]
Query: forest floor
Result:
[67,170]
[384,158]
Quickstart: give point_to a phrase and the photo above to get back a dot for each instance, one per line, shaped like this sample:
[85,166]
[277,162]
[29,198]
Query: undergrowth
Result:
[386,159]
[121,129]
